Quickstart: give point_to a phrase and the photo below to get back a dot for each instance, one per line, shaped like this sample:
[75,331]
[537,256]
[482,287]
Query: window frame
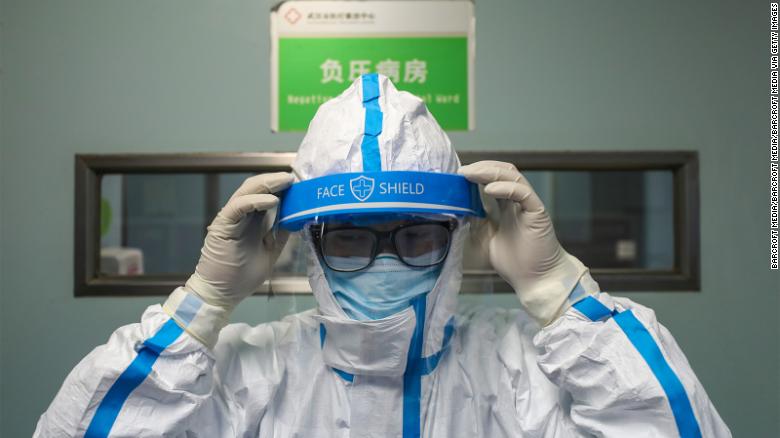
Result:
[685,275]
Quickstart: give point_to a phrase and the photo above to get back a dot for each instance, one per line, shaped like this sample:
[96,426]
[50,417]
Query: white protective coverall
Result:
[604,368]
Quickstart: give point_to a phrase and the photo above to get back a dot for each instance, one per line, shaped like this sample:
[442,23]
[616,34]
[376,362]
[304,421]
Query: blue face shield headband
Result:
[331,196]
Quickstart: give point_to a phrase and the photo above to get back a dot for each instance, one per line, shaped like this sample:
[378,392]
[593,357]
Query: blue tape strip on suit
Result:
[643,341]
[188,309]
[592,308]
[674,389]
[413,373]
[131,378]
[428,364]
[369,147]
[416,367]
[387,191]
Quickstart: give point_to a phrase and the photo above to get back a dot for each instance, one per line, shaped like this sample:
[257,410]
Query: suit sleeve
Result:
[625,373]
[150,379]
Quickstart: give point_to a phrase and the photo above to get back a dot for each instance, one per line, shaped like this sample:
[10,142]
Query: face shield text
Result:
[401,188]
[333,191]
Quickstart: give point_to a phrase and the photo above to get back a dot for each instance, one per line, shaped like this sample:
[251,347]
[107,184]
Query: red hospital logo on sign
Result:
[292,16]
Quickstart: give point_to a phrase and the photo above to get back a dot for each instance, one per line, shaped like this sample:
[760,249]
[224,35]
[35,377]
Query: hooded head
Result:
[374,151]
[373,127]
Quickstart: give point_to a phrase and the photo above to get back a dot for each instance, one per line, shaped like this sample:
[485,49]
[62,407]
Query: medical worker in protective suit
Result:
[384,208]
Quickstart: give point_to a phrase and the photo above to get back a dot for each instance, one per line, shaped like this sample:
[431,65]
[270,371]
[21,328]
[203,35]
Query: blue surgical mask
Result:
[384,288]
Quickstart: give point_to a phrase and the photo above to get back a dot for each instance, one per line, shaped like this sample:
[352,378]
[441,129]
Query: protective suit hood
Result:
[376,128]
[373,126]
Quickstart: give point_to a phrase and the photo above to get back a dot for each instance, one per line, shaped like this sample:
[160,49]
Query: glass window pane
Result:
[155,223]
[152,223]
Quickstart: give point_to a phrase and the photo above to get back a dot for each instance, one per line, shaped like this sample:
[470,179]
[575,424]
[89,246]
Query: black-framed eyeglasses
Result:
[351,248]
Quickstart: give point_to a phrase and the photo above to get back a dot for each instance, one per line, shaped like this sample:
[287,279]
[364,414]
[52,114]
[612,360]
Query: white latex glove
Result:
[238,254]
[241,245]
[521,243]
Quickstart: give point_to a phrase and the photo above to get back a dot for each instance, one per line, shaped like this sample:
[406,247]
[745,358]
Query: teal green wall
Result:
[178,76]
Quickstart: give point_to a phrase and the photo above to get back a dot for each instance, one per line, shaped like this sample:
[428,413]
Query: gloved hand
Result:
[521,243]
[240,249]
[238,254]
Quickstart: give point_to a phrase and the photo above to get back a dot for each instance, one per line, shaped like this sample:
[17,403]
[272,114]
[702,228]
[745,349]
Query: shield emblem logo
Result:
[362,187]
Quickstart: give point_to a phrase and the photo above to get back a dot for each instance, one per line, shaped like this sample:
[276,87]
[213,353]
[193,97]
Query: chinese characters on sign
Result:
[341,15]
[414,70]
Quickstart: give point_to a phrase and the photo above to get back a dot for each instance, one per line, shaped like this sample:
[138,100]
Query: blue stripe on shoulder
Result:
[643,341]
[131,378]
[592,309]
[651,353]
